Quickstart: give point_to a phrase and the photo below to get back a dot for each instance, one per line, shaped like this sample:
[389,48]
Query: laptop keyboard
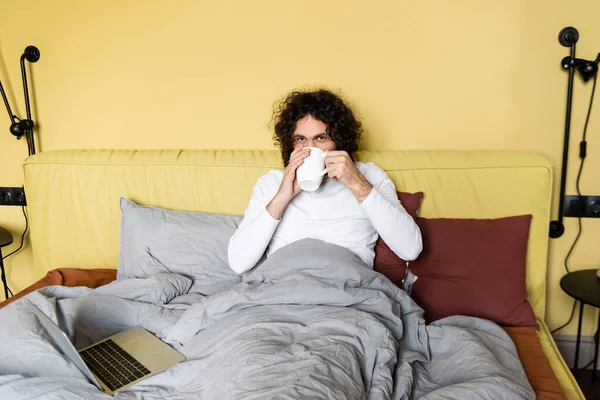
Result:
[113,365]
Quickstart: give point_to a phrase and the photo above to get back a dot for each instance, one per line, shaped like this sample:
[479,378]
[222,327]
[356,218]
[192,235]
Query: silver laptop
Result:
[120,360]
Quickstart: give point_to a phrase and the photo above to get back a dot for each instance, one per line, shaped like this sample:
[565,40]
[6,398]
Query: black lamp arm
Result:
[31,54]
[10,114]
[568,38]
[557,227]
[23,127]
[18,127]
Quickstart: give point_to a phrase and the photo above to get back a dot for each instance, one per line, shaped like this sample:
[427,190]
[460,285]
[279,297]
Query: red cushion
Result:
[386,261]
[474,267]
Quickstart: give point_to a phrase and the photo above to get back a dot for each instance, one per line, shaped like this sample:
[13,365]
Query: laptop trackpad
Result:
[147,349]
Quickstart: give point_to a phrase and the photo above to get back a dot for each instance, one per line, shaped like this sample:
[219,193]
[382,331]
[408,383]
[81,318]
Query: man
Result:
[351,208]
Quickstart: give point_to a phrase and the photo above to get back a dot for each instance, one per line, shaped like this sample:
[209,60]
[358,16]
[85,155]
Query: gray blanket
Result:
[311,322]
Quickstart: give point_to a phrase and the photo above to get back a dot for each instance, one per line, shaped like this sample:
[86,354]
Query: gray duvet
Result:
[310,322]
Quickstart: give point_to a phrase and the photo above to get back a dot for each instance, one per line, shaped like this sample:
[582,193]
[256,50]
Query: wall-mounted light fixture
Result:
[568,37]
[23,127]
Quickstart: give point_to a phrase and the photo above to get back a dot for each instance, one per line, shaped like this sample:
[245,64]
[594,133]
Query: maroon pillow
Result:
[386,261]
[474,267]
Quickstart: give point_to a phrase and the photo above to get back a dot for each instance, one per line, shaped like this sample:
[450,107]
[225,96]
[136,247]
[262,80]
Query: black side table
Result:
[583,286]
[5,239]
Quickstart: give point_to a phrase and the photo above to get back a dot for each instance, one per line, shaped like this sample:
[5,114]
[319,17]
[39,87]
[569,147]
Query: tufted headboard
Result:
[73,195]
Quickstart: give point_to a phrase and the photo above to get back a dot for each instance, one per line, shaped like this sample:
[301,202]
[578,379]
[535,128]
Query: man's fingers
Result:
[336,153]
[299,157]
[293,165]
[299,160]
[335,159]
[333,171]
[302,153]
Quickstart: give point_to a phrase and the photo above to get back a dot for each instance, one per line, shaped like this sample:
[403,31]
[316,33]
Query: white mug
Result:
[310,174]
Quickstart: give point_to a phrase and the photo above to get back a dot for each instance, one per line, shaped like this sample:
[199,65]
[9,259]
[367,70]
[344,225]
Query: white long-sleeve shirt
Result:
[332,214]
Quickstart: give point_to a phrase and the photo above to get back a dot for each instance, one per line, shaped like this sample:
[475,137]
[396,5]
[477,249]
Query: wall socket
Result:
[12,196]
[589,207]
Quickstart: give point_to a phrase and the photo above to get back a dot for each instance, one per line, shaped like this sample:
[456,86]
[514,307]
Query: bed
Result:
[76,203]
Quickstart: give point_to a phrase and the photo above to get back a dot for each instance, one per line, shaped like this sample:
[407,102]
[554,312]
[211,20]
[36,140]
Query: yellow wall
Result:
[463,74]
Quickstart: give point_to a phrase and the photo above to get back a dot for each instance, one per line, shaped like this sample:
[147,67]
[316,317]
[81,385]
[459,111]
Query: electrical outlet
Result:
[12,196]
[589,207]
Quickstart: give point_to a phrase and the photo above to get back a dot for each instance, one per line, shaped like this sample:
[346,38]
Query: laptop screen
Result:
[60,339]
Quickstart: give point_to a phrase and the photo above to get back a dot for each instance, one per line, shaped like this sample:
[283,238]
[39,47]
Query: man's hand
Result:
[341,168]
[289,184]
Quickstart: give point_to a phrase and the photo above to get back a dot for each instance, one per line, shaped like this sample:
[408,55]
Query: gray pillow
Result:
[193,244]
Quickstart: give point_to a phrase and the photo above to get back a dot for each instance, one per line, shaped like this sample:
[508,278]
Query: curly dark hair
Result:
[343,127]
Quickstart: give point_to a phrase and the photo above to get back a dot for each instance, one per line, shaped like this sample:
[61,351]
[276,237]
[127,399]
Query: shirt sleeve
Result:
[391,221]
[252,237]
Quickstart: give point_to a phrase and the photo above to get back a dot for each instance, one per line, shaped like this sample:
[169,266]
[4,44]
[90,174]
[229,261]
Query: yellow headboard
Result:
[73,195]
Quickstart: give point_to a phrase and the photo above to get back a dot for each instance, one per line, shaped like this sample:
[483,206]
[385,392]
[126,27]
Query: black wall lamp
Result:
[23,127]
[568,37]
[19,128]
